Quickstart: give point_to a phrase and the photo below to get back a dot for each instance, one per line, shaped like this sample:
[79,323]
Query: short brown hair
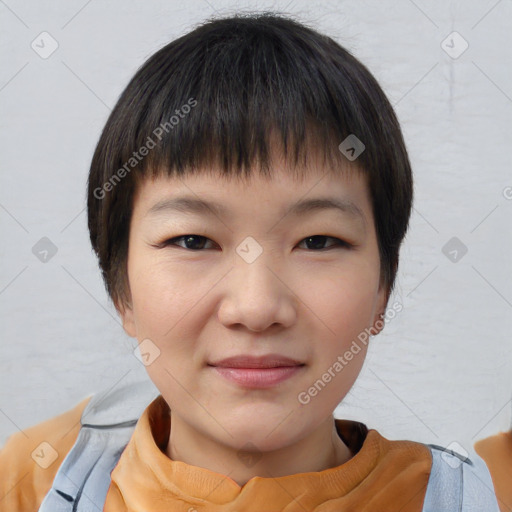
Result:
[214,95]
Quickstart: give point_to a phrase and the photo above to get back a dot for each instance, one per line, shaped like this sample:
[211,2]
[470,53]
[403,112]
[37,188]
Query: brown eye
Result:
[316,242]
[190,242]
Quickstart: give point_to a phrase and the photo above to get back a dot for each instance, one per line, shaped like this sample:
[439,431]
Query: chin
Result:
[249,438]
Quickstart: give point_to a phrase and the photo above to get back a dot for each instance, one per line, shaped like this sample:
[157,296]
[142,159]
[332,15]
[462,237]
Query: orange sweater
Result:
[383,475]
[497,454]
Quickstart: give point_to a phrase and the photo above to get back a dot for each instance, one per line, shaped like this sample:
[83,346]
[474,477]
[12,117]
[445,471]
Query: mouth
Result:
[257,372]
[257,362]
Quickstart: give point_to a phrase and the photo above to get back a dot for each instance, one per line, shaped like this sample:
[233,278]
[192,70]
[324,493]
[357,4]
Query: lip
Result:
[250,361]
[257,371]
[258,378]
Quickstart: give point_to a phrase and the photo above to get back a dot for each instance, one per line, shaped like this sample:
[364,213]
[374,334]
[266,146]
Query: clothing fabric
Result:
[382,475]
[496,451]
[28,467]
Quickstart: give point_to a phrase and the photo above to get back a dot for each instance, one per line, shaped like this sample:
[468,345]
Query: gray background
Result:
[440,372]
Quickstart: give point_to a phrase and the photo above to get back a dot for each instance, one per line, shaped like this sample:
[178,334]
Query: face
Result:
[259,276]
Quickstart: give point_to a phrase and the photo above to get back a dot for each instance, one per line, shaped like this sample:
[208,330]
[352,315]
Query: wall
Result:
[440,372]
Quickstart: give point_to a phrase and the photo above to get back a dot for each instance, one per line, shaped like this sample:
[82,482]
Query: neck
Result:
[320,450]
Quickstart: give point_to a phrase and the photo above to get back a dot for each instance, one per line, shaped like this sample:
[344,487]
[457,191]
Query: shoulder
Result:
[458,482]
[496,451]
[30,459]
[446,480]
[495,447]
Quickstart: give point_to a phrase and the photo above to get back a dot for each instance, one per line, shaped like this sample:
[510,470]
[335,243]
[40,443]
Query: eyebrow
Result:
[188,204]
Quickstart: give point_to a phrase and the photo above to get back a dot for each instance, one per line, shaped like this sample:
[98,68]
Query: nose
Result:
[258,295]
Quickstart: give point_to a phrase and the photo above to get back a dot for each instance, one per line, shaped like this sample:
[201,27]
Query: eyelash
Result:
[172,242]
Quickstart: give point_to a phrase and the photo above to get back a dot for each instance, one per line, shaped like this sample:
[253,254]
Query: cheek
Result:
[344,309]
[160,293]
[163,302]
[168,305]
[342,301]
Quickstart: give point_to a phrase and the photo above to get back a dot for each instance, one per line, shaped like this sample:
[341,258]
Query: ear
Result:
[125,311]
[380,310]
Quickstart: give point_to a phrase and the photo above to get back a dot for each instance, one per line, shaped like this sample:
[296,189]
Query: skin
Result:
[300,299]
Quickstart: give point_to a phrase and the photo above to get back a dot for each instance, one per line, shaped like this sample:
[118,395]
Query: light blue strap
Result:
[445,484]
[478,488]
[82,482]
[458,484]
[83,479]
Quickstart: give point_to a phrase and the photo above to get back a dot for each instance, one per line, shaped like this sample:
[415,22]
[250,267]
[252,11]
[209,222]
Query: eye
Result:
[191,242]
[316,241]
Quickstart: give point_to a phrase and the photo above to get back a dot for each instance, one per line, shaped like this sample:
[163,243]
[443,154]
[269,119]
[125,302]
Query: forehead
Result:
[211,193]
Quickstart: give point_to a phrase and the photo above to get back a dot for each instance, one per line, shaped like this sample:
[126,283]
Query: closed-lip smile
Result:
[257,372]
